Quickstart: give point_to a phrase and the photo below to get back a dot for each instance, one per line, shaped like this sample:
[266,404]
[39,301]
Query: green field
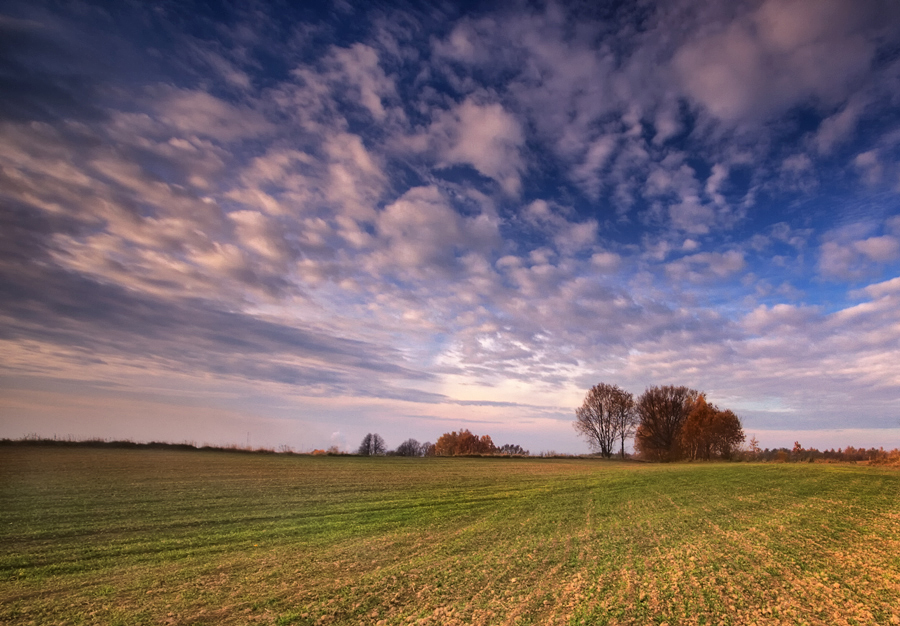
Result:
[105,536]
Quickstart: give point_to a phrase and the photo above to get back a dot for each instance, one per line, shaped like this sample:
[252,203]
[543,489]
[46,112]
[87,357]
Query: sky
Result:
[292,224]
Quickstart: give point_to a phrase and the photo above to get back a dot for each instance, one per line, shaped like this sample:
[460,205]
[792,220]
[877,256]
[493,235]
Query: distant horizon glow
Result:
[299,225]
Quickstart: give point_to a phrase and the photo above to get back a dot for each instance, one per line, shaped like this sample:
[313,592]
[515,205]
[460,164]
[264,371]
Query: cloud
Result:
[869,165]
[421,233]
[706,266]
[781,54]
[194,112]
[567,236]
[765,319]
[358,66]
[113,324]
[849,258]
[484,136]
[496,209]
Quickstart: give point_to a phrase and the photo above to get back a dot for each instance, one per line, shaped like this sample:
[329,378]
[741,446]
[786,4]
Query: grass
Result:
[109,536]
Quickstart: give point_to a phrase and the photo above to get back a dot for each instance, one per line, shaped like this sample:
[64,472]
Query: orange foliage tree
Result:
[463,442]
[708,432]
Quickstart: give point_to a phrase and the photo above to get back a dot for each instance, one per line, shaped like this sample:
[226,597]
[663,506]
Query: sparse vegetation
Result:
[160,536]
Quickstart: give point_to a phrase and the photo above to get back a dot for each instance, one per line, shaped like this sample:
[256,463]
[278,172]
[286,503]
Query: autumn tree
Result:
[467,442]
[372,445]
[605,416]
[661,412]
[486,445]
[729,434]
[696,435]
[447,444]
[463,442]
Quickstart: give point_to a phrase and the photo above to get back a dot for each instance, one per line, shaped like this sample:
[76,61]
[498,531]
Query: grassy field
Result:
[165,537]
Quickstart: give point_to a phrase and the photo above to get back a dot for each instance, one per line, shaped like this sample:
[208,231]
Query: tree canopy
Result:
[709,433]
[463,442]
[661,412]
[372,445]
[605,416]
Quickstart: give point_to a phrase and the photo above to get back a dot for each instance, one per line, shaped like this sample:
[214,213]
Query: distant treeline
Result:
[460,444]
[799,454]
[463,443]
[94,442]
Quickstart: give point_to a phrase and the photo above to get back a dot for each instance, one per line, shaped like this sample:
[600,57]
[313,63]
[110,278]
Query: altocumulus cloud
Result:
[320,222]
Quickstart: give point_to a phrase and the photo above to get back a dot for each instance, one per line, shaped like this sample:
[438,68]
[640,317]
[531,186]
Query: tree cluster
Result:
[411,447]
[668,423]
[463,442]
[455,443]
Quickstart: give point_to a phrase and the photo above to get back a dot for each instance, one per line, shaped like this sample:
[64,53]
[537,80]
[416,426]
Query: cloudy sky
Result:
[293,226]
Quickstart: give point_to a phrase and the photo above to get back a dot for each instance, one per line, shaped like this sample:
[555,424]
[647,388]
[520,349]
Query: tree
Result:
[486,445]
[463,442]
[604,416]
[728,434]
[755,450]
[513,449]
[697,432]
[661,412]
[372,445]
[625,420]
[410,447]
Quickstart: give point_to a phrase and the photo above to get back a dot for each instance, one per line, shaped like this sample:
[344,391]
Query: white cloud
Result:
[879,249]
[606,261]
[781,54]
[484,136]
[691,216]
[839,126]
[358,66]
[568,237]
[765,319]
[705,266]
[849,258]
[869,165]
[420,233]
[194,112]
[355,179]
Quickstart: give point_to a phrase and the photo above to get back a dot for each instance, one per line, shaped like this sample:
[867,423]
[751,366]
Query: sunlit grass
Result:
[155,537]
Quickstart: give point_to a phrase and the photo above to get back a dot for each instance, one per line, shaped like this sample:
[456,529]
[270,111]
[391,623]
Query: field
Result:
[108,536]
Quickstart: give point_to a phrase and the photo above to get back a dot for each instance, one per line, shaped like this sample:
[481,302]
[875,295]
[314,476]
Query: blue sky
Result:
[296,226]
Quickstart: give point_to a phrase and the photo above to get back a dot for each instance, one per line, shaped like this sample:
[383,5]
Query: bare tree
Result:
[410,447]
[604,417]
[372,445]
[662,412]
[513,449]
[625,419]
